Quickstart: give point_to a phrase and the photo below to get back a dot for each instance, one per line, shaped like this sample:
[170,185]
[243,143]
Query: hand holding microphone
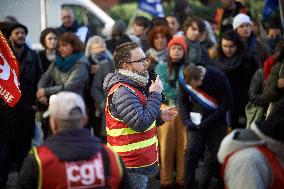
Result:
[156,86]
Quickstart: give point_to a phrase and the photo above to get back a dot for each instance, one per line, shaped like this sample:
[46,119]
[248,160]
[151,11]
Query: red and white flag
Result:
[9,73]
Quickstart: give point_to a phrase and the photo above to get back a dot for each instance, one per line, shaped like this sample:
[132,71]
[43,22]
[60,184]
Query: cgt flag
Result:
[154,7]
[9,71]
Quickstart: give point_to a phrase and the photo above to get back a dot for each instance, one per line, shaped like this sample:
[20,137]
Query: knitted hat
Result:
[178,40]
[240,19]
[14,26]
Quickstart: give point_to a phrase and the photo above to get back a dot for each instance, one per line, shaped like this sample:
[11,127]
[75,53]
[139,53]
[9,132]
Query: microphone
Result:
[153,76]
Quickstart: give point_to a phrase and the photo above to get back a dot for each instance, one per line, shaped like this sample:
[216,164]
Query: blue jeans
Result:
[137,181]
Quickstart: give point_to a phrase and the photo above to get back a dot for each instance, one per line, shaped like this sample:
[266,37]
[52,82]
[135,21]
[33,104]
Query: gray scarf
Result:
[142,80]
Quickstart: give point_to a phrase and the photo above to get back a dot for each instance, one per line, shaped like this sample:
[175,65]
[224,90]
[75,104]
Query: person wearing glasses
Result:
[131,113]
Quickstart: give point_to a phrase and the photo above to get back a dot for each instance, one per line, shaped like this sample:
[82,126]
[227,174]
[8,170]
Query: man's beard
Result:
[144,74]
[19,44]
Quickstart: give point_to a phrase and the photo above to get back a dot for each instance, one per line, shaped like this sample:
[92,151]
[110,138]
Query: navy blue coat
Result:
[215,84]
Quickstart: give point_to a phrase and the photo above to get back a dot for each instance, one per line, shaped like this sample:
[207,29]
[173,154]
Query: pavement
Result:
[12,181]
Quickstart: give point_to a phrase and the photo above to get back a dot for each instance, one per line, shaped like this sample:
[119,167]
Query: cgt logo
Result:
[5,70]
[86,174]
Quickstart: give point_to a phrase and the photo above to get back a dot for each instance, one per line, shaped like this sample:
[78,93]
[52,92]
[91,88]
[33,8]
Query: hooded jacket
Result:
[248,167]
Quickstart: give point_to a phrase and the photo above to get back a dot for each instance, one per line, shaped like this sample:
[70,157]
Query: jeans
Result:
[137,181]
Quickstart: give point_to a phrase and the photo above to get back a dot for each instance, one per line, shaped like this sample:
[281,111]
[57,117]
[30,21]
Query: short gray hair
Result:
[75,123]
[64,125]
[68,9]
[92,40]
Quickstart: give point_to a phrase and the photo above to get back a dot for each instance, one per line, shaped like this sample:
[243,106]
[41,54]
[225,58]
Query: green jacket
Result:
[170,93]
[271,91]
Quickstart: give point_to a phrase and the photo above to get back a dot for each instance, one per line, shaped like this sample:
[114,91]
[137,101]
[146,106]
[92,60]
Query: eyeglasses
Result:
[142,60]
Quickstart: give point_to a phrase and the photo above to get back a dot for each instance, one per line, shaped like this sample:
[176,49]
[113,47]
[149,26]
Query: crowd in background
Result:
[232,44]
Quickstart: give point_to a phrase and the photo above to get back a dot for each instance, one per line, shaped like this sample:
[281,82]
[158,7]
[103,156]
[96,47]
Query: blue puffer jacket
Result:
[126,105]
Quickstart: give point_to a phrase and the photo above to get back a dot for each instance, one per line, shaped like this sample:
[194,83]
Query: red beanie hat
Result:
[178,40]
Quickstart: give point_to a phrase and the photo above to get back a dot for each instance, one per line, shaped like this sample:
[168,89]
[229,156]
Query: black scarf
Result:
[229,64]
[173,77]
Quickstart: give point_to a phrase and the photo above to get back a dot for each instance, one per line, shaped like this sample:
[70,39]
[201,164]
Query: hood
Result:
[73,145]
[274,145]
[112,78]
[238,139]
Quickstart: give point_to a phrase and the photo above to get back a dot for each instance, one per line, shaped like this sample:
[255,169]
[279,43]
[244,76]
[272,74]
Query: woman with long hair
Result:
[172,135]
[239,67]
[158,38]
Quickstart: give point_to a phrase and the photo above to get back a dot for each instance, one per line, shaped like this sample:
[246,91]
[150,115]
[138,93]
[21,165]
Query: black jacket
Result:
[30,72]
[28,77]
[44,62]
[239,71]
[215,84]
[73,29]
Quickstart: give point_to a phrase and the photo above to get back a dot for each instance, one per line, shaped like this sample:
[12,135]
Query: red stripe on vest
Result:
[62,174]
[119,124]
[115,178]
[277,170]
[124,139]
[136,158]
[50,178]
[140,157]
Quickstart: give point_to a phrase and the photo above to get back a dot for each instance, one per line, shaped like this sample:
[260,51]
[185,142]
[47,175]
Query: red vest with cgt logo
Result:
[91,173]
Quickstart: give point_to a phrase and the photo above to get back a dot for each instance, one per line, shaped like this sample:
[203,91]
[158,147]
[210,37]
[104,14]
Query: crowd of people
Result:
[158,99]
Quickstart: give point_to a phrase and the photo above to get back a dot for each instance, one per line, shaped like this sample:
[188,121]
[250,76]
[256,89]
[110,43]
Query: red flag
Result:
[9,72]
